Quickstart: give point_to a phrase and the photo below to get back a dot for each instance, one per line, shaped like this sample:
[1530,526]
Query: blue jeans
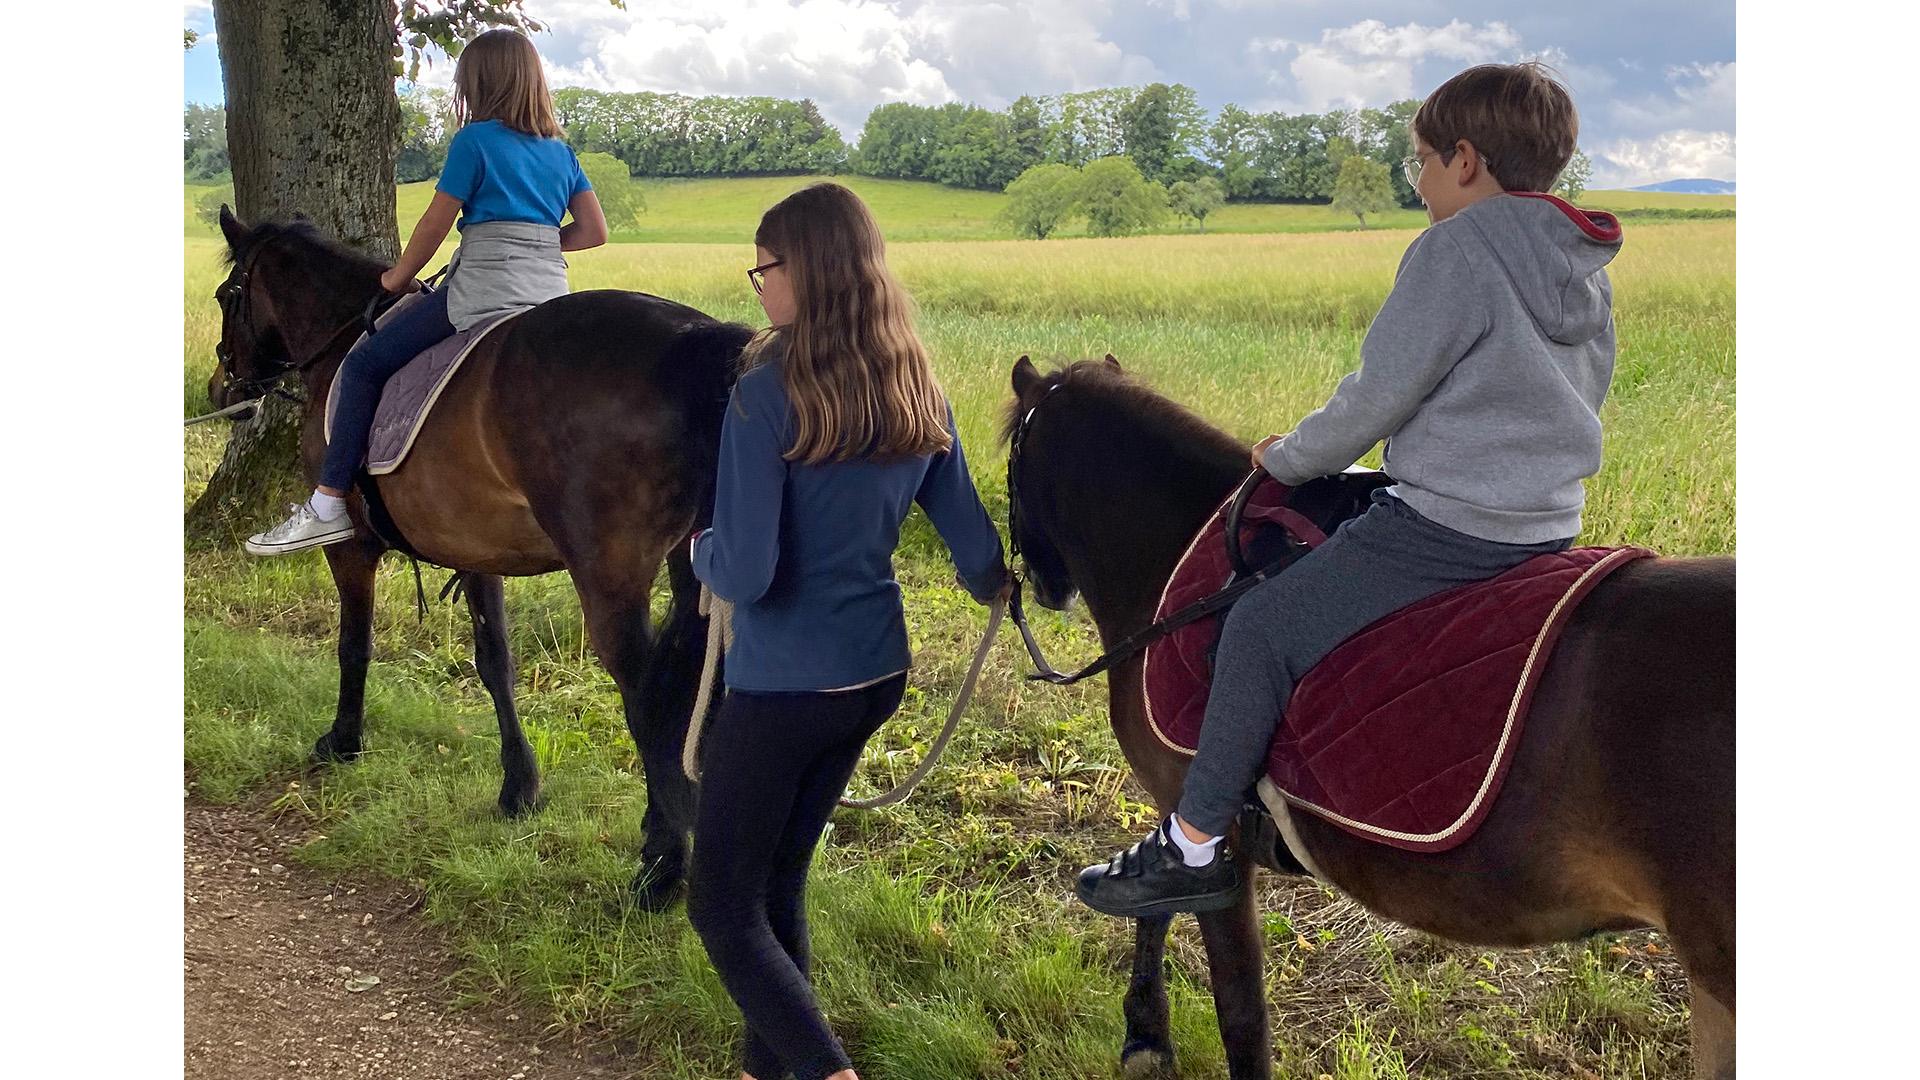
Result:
[365,372]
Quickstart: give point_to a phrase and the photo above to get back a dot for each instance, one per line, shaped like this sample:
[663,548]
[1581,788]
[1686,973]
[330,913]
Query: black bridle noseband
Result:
[1244,577]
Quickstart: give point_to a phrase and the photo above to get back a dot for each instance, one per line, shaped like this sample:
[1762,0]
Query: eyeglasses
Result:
[758,275]
[1411,164]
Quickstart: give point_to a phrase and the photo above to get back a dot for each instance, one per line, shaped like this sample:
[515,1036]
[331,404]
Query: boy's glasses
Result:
[758,275]
[1412,163]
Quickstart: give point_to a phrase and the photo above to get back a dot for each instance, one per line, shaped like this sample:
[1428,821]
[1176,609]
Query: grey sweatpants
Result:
[1372,566]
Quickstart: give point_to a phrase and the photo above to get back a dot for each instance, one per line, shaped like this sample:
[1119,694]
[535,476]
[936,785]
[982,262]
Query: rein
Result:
[1304,535]
[720,634]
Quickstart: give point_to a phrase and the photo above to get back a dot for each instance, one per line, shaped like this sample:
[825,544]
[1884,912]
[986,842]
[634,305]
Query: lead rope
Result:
[720,634]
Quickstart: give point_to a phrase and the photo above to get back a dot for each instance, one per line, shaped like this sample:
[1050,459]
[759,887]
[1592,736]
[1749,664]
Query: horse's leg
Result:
[658,721]
[619,625]
[1234,958]
[1149,1044]
[353,563]
[1702,934]
[487,602]
[1712,1037]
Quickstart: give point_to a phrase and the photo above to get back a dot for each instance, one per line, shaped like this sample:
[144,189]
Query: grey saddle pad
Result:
[410,394]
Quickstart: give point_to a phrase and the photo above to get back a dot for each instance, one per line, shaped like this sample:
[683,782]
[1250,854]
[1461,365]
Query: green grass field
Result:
[725,211]
[947,940]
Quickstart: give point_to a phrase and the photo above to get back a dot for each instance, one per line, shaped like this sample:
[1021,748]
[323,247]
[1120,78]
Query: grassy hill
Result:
[725,211]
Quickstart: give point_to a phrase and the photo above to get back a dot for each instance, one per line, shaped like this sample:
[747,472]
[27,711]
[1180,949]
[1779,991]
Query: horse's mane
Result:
[1134,405]
[304,233]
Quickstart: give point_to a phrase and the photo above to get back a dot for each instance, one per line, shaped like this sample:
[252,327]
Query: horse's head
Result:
[1106,482]
[287,285]
[1030,485]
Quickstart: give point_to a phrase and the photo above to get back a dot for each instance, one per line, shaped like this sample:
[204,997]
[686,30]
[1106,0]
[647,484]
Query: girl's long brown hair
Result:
[855,370]
[498,77]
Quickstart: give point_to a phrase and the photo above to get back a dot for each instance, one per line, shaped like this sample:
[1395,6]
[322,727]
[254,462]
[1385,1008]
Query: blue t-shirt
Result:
[805,552]
[500,174]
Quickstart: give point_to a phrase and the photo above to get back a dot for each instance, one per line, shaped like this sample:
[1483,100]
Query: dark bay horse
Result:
[582,436]
[1617,811]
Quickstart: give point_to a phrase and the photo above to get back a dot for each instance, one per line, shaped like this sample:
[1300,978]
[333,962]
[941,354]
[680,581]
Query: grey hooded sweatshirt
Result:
[1484,371]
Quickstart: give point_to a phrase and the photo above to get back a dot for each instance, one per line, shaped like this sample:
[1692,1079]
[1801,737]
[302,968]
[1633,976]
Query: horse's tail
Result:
[698,369]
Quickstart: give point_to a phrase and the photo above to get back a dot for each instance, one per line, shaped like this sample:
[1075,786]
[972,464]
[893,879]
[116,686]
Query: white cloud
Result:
[1371,63]
[847,55]
[1670,155]
[1699,96]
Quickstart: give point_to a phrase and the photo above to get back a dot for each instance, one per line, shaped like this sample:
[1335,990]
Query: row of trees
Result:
[677,135]
[1267,157]
[1111,194]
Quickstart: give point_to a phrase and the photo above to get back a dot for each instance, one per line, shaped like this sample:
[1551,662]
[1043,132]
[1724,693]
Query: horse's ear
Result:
[231,228]
[1112,361]
[1025,376]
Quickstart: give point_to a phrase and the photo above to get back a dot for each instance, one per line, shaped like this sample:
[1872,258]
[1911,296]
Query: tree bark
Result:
[312,127]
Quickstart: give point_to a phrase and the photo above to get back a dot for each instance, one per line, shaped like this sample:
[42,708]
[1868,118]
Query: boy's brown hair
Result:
[1518,117]
[498,77]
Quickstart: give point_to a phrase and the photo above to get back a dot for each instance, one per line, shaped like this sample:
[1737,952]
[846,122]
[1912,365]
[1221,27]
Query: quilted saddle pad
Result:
[1403,734]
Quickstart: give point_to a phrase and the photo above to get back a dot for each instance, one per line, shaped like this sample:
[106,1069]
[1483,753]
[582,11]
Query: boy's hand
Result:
[393,283]
[1260,448]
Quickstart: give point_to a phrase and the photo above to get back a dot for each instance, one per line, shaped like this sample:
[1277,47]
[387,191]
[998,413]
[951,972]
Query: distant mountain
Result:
[1691,187]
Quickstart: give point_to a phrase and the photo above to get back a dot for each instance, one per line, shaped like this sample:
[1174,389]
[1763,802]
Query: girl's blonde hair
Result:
[498,77]
[855,370]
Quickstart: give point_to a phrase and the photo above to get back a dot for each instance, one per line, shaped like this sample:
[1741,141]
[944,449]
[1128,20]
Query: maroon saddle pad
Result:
[1404,732]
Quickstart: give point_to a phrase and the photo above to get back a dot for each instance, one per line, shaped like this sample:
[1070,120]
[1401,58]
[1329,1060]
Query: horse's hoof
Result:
[327,752]
[519,801]
[657,885]
[1143,1060]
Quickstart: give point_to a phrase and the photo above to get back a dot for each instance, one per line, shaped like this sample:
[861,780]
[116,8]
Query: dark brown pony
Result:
[582,436]
[1618,808]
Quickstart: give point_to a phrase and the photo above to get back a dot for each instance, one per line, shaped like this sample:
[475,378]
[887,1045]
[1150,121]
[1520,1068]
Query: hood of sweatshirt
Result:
[1555,254]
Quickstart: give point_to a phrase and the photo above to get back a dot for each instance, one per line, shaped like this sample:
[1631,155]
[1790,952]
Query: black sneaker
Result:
[1151,878]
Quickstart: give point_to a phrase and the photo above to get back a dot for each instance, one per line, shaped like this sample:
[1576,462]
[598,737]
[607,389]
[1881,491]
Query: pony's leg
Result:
[619,624]
[1703,936]
[659,718]
[353,563]
[1149,1045]
[1712,1037]
[1233,945]
[487,602]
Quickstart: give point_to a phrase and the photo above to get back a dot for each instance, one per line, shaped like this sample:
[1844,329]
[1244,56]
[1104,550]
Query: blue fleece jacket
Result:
[805,552]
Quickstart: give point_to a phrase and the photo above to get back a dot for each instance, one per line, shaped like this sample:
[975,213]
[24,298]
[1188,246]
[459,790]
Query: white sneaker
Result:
[305,529]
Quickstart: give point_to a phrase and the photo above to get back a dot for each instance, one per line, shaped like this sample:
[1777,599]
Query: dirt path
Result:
[289,973]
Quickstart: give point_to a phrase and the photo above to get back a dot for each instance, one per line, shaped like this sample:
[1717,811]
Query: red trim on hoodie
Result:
[1598,224]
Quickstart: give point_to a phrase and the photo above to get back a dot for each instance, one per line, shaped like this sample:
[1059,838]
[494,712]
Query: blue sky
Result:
[1654,82]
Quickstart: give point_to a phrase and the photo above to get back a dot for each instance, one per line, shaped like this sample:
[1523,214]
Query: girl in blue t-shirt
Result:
[511,179]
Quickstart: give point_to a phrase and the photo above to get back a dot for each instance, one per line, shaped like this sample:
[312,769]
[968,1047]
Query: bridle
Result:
[1303,536]
[236,309]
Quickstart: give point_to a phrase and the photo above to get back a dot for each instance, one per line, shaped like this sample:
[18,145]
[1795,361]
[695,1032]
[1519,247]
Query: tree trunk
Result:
[312,126]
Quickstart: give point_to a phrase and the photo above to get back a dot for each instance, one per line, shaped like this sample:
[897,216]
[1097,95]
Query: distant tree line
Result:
[1160,128]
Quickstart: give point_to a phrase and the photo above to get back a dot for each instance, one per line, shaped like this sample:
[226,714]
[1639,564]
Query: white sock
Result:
[1191,853]
[327,507]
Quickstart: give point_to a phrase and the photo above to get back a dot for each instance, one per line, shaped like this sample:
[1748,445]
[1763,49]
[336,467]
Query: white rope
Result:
[720,634]
[719,615]
[228,411]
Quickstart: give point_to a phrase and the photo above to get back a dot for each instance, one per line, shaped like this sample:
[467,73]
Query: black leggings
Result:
[773,768]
